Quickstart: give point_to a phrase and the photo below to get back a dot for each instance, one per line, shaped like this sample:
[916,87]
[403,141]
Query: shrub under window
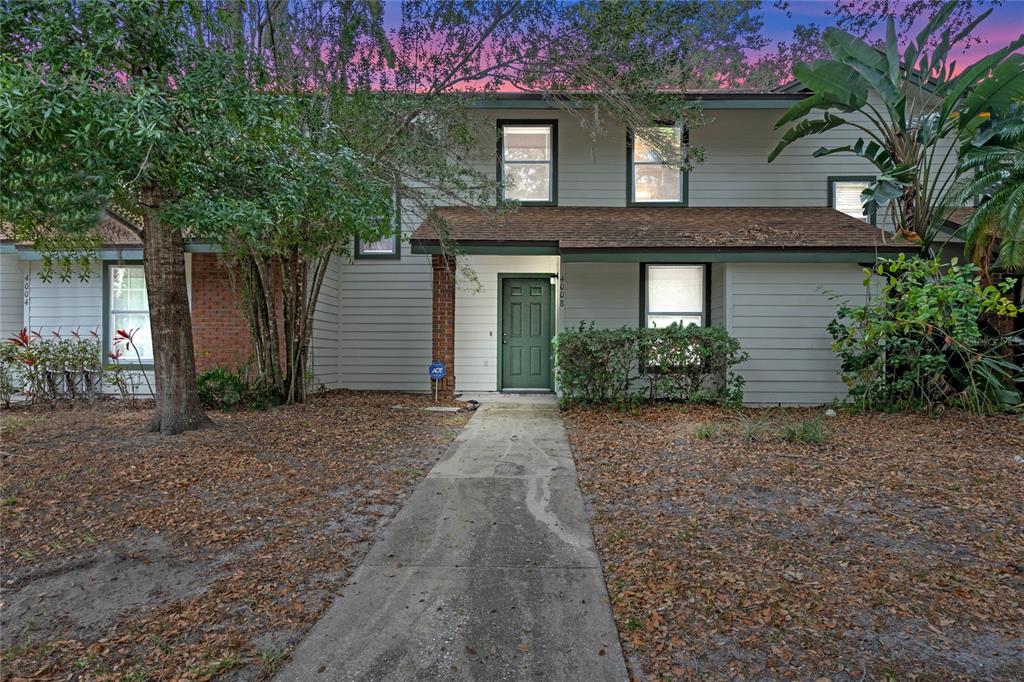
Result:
[628,365]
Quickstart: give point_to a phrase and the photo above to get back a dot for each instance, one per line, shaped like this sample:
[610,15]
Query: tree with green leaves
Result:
[102,103]
[341,131]
[913,111]
[993,163]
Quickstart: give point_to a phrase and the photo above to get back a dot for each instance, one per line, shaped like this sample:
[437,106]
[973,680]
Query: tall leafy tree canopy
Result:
[102,105]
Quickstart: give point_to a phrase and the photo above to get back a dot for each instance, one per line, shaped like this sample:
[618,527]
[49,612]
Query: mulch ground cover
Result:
[892,550]
[127,555]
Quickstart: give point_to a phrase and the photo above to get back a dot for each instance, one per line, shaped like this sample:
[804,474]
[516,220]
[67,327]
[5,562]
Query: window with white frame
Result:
[844,196]
[527,161]
[673,294]
[129,311]
[386,247]
[655,155]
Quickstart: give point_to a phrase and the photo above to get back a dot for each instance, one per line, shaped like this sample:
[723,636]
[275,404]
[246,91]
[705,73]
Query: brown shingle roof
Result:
[662,227]
[113,227]
[959,216]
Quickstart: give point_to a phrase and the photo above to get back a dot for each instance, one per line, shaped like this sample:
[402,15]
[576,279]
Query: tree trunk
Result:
[177,402]
[282,344]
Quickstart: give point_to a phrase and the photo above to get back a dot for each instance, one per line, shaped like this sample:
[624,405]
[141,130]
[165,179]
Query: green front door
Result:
[525,333]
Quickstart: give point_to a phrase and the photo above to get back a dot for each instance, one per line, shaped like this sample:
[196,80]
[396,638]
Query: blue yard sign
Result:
[436,374]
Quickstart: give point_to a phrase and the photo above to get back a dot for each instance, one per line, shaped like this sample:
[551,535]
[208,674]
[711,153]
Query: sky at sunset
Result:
[1005,23]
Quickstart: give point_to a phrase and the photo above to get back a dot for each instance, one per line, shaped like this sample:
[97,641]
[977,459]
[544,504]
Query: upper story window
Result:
[386,247]
[527,160]
[655,155]
[844,195]
[673,294]
[129,311]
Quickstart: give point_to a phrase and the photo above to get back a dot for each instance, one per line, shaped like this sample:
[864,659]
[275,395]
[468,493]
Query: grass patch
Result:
[227,661]
[805,431]
[271,658]
[706,431]
[753,429]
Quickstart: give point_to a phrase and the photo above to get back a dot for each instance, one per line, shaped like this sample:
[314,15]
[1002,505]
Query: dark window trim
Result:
[831,190]
[394,255]
[500,176]
[705,317]
[128,361]
[684,176]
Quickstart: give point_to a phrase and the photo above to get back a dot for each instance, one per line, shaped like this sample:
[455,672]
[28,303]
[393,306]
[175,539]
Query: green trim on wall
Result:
[674,255]
[128,362]
[697,256]
[831,195]
[498,175]
[502,276]
[134,253]
[488,249]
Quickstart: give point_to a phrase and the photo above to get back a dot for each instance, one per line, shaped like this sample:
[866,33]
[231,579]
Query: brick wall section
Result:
[219,329]
[444,320]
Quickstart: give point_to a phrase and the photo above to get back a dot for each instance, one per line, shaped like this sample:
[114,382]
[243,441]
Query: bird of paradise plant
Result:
[913,111]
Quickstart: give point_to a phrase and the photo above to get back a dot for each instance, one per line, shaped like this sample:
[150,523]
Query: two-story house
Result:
[604,234]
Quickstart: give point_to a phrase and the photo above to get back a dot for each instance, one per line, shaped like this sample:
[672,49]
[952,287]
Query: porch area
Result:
[768,276]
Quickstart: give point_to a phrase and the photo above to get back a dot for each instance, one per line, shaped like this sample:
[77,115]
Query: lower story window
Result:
[129,312]
[674,294]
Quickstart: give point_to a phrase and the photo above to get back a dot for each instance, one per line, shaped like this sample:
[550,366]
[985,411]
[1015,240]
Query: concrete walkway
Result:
[489,571]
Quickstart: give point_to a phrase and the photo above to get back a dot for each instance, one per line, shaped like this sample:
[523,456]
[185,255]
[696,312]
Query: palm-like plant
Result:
[993,162]
[917,110]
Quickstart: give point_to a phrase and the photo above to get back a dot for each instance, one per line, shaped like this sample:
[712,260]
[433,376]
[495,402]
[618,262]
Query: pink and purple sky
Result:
[1005,23]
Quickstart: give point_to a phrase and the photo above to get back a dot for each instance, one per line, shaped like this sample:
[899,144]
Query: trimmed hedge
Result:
[626,366]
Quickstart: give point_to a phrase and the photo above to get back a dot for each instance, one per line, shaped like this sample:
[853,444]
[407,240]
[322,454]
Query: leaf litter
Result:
[892,550]
[130,555]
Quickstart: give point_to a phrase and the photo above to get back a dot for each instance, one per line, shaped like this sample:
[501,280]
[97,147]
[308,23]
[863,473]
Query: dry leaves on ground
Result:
[127,554]
[893,550]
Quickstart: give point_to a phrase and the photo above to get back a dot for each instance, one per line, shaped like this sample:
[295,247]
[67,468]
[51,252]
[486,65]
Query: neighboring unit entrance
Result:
[525,329]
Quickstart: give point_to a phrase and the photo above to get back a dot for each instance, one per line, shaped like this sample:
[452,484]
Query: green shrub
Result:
[220,388]
[805,431]
[626,366]
[922,342]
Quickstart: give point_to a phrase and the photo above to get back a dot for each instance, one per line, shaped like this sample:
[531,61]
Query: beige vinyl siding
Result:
[716,313]
[736,171]
[12,295]
[385,319]
[591,169]
[607,294]
[779,313]
[476,317]
[323,350]
[69,305]
[386,323]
